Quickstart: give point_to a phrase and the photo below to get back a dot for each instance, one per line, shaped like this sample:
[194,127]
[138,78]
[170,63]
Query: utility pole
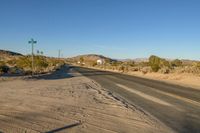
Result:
[32,42]
[59,51]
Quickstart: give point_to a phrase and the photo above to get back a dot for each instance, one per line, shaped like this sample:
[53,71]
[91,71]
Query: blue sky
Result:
[114,28]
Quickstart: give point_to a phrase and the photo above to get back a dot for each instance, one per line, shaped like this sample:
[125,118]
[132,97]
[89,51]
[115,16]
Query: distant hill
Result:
[135,60]
[89,57]
[9,53]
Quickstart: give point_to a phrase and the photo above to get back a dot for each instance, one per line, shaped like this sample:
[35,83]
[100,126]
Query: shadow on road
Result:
[91,72]
[59,74]
[63,128]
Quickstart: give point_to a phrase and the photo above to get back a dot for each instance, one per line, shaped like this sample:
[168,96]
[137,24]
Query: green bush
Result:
[155,67]
[154,62]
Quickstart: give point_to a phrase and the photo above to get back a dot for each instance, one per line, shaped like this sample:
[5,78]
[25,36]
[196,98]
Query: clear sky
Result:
[114,28]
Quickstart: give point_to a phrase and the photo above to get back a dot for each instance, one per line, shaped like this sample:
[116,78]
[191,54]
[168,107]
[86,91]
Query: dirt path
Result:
[63,102]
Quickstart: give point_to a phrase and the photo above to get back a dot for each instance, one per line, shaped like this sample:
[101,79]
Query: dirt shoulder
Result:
[184,79]
[68,102]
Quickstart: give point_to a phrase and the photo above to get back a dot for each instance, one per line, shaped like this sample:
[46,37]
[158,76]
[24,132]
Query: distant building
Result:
[81,63]
[100,62]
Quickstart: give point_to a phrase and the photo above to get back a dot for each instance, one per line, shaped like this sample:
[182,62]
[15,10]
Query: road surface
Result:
[176,106]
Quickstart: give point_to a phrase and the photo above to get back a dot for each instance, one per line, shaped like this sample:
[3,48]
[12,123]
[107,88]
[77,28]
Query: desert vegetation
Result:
[11,63]
[153,64]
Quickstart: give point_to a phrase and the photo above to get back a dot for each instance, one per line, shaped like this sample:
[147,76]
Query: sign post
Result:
[32,42]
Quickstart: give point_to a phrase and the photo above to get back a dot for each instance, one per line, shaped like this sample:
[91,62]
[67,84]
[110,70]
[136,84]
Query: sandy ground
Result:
[72,104]
[183,79]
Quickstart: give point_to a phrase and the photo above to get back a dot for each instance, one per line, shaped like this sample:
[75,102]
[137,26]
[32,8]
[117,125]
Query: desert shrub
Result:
[143,64]
[164,63]
[16,70]
[2,63]
[129,63]
[145,70]
[94,64]
[28,72]
[55,62]
[12,62]
[116,63]
[135,69]
[24,62]
[4,69]
[40,63]
[164,70]
[107,61]
[176,63]
[198,65]
[122,68]
[154,62]
[155,67]
[81,59]
[158,63]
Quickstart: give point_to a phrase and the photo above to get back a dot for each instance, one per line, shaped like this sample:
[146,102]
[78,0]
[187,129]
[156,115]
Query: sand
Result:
[68,102]
[182,79]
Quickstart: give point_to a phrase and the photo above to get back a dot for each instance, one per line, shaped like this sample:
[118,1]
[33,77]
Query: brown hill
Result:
[9,53]
[89,57]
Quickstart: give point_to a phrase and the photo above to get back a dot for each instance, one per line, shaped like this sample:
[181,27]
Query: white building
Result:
[100,61]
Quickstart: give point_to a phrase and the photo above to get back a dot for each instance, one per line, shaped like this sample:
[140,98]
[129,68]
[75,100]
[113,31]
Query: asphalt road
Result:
[176,106]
